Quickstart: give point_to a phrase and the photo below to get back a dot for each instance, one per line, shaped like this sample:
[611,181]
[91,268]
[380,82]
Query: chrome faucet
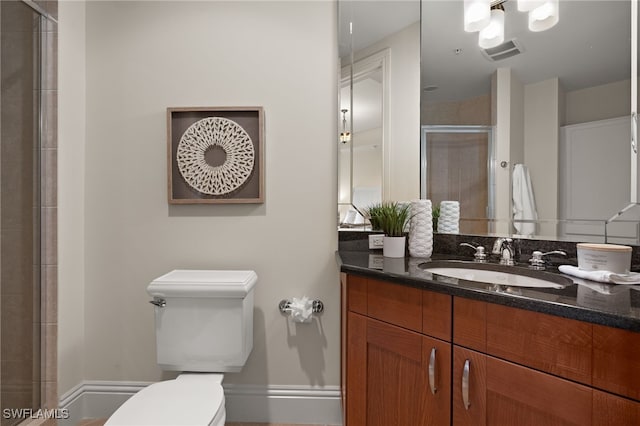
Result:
[480,255]
[506,249]
[537,260]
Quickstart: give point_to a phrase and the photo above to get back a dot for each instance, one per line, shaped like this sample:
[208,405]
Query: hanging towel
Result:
[524,205]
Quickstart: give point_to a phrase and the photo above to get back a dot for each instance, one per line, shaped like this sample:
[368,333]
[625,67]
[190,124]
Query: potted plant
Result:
[435,214]
[391,217]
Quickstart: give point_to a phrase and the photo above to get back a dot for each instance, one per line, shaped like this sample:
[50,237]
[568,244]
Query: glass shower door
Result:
[456,164]
[19,210]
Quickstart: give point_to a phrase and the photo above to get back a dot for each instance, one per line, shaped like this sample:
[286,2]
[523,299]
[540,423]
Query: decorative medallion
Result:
[209,133]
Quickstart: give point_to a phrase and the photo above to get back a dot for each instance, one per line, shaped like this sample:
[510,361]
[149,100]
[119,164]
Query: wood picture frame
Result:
[215,155]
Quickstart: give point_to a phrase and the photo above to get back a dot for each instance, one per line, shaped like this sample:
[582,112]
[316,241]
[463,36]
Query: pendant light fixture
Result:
[477,14]
[544,16]
[493,34]
[488,18]
[344,135]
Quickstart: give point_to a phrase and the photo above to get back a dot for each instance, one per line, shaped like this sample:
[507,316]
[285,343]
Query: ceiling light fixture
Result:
[344,135]
[488,17]
[493,34]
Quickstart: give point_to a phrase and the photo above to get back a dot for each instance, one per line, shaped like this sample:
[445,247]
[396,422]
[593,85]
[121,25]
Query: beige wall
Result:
[71,189]
[502,83]
[598,103]
[144,57]
[402,154]
[367,170]
[542,112]
[465,112]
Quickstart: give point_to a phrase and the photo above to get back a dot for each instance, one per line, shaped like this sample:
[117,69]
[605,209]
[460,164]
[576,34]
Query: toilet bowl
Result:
[204,327]
[188,400]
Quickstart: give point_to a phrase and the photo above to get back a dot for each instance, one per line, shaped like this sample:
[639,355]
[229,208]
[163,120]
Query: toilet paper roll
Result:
[301,310]
[421,229]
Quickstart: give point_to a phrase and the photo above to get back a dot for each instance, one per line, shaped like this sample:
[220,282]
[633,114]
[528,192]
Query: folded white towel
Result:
[601,276]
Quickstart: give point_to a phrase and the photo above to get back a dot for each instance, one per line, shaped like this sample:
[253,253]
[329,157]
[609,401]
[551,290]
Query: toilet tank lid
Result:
[203,283]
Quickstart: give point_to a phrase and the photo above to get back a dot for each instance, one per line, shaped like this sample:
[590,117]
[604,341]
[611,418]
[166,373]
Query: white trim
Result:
[244,403]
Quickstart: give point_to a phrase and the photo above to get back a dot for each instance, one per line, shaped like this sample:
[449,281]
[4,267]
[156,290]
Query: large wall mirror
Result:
[379,47]
[547,112]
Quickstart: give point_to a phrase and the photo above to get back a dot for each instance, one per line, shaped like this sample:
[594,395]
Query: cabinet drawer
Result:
[548,343]
[616,361]
[436,315]
[395,304]
[357,294]
[470,323]
[553,344]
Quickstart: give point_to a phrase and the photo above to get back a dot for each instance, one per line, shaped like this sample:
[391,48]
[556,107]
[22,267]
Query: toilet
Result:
[204,327]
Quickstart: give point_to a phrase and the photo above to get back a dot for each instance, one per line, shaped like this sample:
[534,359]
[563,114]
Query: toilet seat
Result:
[189,400]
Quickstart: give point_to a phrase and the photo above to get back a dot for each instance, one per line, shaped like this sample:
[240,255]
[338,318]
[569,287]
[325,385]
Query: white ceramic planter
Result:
[394,246]
[421,229]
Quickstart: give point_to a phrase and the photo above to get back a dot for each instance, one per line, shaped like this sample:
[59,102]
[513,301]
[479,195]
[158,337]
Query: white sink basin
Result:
[489,276]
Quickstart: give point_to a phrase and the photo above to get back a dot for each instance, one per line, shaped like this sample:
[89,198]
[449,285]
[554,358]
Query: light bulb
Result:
[543,12]
[493,34]
[477,14]
[545,16]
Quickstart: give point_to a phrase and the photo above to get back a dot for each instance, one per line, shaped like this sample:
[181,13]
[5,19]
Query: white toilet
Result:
[204,326]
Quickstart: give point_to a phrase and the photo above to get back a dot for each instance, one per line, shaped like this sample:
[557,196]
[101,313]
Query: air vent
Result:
[505,50]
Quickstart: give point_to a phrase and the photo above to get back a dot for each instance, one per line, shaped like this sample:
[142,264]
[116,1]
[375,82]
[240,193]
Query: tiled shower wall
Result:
[49,208]
[28,353]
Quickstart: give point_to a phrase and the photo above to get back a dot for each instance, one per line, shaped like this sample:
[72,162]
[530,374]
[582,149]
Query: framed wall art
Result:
[215,155]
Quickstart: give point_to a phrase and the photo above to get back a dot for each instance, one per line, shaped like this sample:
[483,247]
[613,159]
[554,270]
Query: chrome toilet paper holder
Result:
[285,304]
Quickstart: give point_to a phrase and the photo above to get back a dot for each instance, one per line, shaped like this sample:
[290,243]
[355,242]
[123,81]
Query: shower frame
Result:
[45,257]
[427,129]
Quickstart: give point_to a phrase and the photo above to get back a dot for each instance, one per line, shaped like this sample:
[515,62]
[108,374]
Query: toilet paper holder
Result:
[285,304]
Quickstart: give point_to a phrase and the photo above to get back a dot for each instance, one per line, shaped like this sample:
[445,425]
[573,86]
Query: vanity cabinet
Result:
[396,354]
[417,357]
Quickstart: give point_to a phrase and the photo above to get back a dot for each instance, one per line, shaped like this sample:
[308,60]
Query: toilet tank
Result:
[204,319]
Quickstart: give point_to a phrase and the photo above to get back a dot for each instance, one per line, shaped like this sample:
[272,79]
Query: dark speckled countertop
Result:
[611,305]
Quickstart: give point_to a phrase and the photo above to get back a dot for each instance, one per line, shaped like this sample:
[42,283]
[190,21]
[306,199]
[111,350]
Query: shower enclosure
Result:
[456,163]
[26,101]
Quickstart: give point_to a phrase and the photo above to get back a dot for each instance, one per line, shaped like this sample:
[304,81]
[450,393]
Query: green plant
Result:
[390,217]
[373,214]
[435,213]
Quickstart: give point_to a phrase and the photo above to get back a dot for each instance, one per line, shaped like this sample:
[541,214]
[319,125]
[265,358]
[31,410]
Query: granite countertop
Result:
[611,305]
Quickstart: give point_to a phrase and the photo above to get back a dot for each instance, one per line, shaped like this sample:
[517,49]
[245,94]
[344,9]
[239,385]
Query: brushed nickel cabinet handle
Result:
[465,384]
[432,371]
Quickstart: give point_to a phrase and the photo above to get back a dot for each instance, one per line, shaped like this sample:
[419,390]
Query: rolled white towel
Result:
[601,276]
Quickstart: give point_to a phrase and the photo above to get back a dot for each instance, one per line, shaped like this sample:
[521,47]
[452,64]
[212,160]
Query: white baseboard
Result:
[244,403]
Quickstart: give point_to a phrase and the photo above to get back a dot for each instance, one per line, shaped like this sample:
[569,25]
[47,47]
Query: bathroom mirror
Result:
[597,90]
[379,47]
[559,101]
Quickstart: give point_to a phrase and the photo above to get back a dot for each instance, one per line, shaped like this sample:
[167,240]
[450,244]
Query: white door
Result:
[594,176]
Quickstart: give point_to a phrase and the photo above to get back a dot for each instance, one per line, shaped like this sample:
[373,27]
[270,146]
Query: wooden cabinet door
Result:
[616,361]
[468,384]
[388,378]
[613,410]
[437,356]
[503,393]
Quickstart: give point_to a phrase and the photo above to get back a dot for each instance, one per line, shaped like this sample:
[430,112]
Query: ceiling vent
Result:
[505,50]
